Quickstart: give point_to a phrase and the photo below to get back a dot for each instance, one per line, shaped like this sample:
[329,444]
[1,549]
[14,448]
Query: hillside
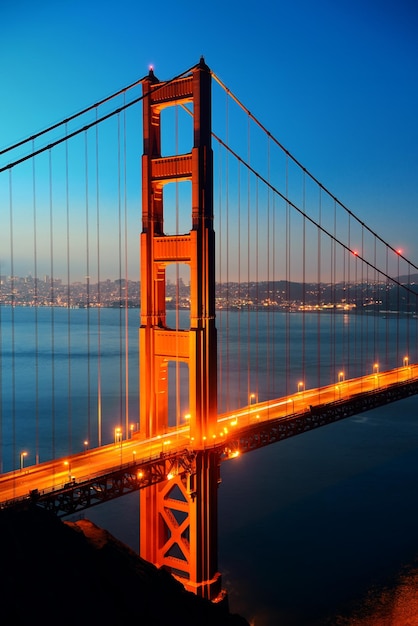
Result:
[56,572]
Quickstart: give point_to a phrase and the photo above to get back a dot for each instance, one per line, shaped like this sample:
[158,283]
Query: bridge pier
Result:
[178,517]
[178,526]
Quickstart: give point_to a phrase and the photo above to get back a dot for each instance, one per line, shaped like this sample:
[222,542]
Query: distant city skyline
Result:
[378,296]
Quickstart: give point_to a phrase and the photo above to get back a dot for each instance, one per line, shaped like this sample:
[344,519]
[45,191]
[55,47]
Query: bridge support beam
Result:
[178,520]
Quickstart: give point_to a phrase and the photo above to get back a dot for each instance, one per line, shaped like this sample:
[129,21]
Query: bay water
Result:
[316,529]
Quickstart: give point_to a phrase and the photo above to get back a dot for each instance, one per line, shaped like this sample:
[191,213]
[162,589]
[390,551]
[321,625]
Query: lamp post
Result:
[301,386]
[22,459]
[118,435]
[376,374]
[86,443]
[68,465]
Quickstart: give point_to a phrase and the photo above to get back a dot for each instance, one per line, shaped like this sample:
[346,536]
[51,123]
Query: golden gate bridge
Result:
[299,315]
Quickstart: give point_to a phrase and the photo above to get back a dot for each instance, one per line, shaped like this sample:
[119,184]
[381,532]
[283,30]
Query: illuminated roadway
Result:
[54,475]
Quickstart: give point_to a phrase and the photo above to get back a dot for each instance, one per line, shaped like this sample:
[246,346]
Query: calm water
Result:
[307,527]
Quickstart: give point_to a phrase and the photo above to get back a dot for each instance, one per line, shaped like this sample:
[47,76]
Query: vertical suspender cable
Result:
[398,315]
[343,362]
[376,299]
[275,291]
[269,299]
[1,377]
[248,265]
[220,278]
[304,282]
[408,312]
[51,248]
[334,279]
[287,267]
[363,301]
[348,300]
[99,349]
[257,288]
[239,284]
[228,391]
[387,307]
[125,209]
[68,301]
[318,320]
[12,289]
[87,218]
[35,263]
[120,282]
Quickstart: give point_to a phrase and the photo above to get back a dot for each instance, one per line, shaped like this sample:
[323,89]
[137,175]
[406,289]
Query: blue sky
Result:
[335,82]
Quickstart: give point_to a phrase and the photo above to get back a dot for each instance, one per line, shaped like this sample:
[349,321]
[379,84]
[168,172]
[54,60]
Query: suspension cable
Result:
[312,221]
[304,169]
[86,127]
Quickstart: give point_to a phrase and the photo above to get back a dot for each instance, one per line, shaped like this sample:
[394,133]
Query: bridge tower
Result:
[178,517]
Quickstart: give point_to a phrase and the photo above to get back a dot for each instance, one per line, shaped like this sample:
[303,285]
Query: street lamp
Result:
[405,361]
[376,368]
[301,386]
[22,458]
[340,377]
[68,464]
[118,435]
[86,443]
[253,397]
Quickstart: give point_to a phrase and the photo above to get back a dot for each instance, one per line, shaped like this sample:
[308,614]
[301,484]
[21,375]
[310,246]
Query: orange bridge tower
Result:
[178,517]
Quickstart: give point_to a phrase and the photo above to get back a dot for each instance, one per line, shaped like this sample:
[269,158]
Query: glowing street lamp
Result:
[301,386]
[68,465]
[253,397]
[405,361]
[118,435]
[376,368]
[86,443]
[341,377]
[22,458]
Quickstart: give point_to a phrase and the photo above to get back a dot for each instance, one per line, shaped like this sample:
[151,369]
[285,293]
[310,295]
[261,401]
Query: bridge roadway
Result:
[76,482]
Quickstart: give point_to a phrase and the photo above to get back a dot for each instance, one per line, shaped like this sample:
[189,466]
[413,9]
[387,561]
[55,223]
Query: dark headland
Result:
[56,572]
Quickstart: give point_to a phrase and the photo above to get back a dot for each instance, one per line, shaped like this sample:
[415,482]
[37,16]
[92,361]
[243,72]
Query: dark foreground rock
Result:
[55,572]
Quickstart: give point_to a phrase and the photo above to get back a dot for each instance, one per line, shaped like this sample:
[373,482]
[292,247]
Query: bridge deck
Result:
[83,480]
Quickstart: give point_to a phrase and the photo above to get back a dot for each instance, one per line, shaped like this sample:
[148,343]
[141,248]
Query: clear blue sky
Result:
[335,82]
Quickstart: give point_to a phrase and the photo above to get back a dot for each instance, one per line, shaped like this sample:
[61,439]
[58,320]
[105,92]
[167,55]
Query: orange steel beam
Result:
[178,517]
